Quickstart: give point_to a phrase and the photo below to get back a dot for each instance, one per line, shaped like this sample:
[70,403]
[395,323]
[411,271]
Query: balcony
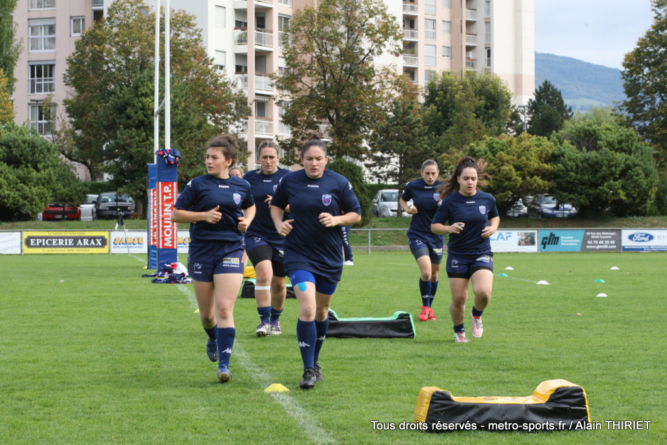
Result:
[429,34]
[263,4]
[471,64]
[263,127]
[263,84]
[241,36]
[471,39]
[264,38]
[409,8]
[471,15]
[243,127]
[324,131]
[242,81]
[285,2]
[410,34]
[284,129]
[97,3]
[410,60]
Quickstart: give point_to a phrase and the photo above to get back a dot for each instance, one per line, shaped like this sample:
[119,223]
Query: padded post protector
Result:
[554,405]
[248,289]
[399,325]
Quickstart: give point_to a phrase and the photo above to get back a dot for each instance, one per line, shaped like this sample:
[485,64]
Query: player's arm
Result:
[282,227]
[186,216]
[246,219]
[412,210]
[491,228]
[441,229]
[328,220]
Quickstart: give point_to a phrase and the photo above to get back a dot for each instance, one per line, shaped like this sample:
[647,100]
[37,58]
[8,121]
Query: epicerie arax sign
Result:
[65,242]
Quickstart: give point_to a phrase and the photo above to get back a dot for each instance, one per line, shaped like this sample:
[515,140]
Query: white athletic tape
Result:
[303,418]
[262,287]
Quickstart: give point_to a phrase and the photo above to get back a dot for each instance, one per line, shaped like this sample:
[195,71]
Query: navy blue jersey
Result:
[311,246]
[262,186]
[475,212]
[425,198]
[204,193]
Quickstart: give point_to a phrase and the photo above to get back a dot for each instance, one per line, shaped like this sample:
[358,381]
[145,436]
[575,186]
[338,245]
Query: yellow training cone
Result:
[276,387]
[197,311]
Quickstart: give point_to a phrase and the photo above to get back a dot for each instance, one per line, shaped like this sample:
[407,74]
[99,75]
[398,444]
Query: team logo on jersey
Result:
[482,209]
[436,196]
[326,199]
[237,198]
[275,186]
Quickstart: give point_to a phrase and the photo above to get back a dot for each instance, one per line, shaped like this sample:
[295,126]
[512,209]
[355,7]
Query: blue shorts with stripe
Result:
[463,266]
[214,257]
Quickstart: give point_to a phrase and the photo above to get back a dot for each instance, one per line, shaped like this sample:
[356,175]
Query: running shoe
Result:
[275,327]
[224,374]
[460,337]
[423,316]
[264,329]
[212,350]
[309,379]
[477,327]
[431,315]
[348,263]
[318,373]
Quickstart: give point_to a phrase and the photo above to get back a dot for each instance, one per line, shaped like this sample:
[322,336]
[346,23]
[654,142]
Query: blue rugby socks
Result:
[275,314]
[264,313]
[225,344]
[434,289]
[476,313]
[425,290]
[321,328]
[211,332]
[306,333]
[459,328]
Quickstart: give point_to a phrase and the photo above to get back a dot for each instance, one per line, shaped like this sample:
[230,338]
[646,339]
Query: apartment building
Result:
[245,39]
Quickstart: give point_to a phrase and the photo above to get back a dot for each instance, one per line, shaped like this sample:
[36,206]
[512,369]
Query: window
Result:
[282,128]
[41,120]
[429,26]
[220,57]
[220,16]
[240,18]
[488,57]
[446,52]
[428,75]
[429,55]
[260,20]
[42,33]
[285,2]
[487,29]
[446,3]
[260,108]
[429,7]
[282,66]
[77,26]
[42,78]
[241,63]
[446,27]
[283,29]
[42,4]
[487,9]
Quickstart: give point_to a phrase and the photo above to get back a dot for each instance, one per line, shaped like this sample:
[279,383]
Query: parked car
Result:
[545,206]
[88,208]
[385,203]
[109,204]
[55,211]
[518,209]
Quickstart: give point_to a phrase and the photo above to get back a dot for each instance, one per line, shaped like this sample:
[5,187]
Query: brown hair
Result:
[452,185]
[269,144]
[227,145]
[313,141]
[429,162]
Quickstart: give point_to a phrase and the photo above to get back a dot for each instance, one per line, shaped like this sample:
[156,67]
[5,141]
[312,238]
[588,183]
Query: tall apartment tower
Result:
[245,39]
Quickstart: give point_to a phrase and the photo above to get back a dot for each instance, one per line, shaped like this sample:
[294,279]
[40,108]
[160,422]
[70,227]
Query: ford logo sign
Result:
[640,237]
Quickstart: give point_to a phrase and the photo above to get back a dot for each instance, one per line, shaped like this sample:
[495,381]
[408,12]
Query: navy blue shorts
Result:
[260,250]
[463,266]
[322,284]
[214,257]
[420,248]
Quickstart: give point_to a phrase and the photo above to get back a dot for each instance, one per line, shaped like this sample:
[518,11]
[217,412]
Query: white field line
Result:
[139,259]
[520,279]
[262,379]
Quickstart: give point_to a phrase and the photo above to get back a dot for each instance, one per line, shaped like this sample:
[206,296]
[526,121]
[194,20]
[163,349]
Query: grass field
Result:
[91,353]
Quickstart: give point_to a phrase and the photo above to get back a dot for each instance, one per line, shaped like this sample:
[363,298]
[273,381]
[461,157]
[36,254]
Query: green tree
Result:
[400,144]
[603,165]
[461,108]
[10,48]
[516,167]
[32,173]
[645,83]
[332,74]
[111,106]
[355,175]
[6,105]
[547,112]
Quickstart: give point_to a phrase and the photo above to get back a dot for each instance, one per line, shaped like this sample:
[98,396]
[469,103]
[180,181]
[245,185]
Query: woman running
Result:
[263,243]
[473,218]
[425,246]
[219,208]
[313,245]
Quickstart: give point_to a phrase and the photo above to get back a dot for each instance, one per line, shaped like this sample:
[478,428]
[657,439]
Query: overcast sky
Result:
[595,31]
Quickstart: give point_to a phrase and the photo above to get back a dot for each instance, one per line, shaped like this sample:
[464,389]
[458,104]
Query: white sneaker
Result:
[477,327]
[348,263]
[263,330]
[460,337]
